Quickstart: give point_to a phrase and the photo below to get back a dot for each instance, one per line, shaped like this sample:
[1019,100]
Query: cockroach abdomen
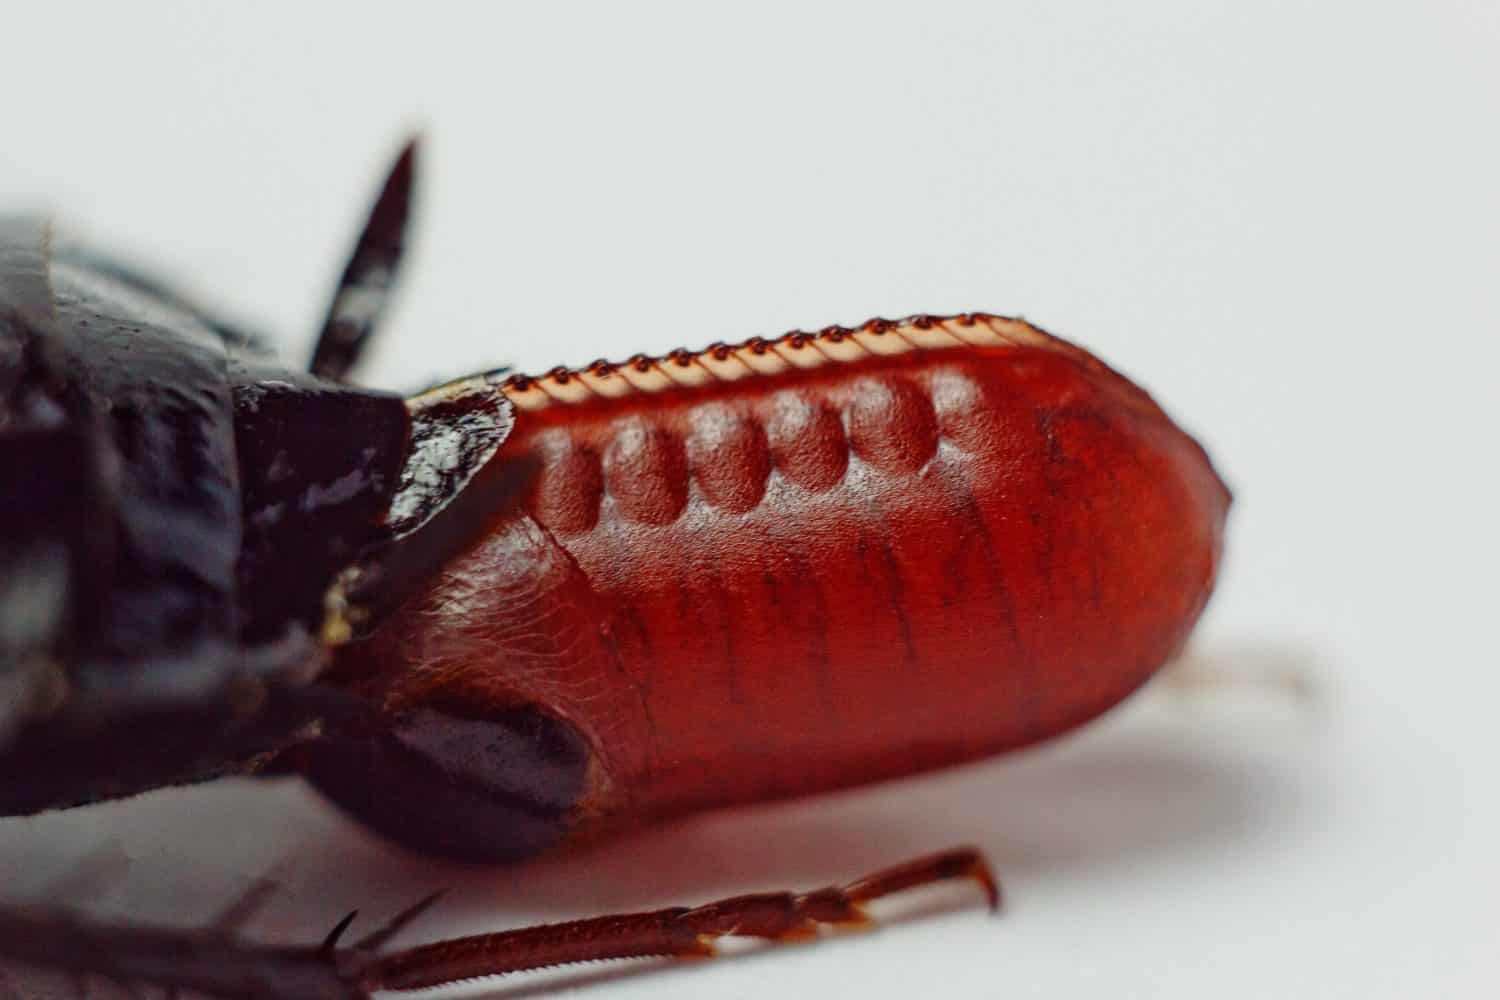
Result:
[844,560]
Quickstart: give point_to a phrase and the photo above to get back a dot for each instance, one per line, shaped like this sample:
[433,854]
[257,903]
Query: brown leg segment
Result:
[677,931]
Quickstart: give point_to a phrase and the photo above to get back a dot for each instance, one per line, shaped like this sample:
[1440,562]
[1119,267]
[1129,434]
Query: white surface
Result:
[1282,218]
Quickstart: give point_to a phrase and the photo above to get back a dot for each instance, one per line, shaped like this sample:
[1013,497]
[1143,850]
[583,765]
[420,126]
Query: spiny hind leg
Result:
[674,932]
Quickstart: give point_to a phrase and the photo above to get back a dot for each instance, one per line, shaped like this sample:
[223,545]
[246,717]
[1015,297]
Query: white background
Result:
[1282,218]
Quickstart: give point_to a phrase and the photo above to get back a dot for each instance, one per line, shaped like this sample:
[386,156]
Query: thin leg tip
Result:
[970,862]
[410,149]
[984,874]
[331,939]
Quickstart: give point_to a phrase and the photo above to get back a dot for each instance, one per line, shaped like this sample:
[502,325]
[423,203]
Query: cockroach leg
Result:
[1283,674]
[377,938]
[365,288]
[957,863]
[215,963]
[678,932]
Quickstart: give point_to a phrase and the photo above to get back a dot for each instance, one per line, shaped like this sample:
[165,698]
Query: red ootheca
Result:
[510,613]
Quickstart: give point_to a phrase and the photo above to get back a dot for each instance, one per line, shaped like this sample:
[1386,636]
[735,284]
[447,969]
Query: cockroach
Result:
[514,613]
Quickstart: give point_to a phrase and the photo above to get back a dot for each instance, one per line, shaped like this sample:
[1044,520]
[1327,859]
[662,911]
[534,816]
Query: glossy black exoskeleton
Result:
[176,505]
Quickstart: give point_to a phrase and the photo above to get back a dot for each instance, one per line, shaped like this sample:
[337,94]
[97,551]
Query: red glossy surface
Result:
[791,582]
